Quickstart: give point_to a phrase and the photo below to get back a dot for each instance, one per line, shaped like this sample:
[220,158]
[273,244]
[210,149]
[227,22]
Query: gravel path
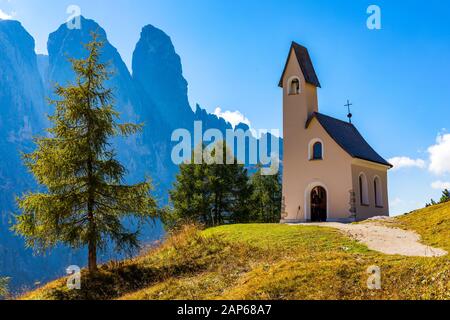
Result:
[386,240]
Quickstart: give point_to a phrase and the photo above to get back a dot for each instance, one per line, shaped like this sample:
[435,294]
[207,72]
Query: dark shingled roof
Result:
[304,60]
[348,137]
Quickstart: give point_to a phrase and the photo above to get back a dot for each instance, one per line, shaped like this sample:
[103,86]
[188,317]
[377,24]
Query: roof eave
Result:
[384,164]
[310,119]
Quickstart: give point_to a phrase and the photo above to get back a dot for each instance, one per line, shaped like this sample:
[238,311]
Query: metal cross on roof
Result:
[350,115]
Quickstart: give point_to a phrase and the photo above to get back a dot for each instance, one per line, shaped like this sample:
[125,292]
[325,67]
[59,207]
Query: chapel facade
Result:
[330,172]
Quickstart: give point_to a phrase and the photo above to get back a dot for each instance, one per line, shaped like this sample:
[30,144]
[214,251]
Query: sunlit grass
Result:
[271,261]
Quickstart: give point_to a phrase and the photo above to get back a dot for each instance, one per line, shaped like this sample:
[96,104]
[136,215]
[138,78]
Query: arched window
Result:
[317,151]
[363,190]
[378,192]
[294,87]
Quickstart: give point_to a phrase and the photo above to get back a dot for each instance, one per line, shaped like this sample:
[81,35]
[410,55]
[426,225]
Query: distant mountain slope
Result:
[65,43]
[21,101]
[43,64]
[158,73]
[277,262]
[21,88]
[22,115]
[211,121]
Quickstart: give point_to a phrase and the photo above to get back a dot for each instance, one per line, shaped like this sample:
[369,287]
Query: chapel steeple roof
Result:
[306,65]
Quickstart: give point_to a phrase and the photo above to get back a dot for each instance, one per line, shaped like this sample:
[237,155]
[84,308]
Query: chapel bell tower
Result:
[299,82]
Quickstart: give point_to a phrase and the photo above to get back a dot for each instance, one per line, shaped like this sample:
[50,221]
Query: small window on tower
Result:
[317,151]
[294,87]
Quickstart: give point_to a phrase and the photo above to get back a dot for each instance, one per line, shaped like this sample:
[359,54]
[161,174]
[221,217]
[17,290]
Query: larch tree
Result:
[85,200]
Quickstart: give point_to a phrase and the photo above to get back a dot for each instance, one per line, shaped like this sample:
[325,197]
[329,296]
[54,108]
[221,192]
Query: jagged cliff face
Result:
[21,109]
[211,121]
[42,63]
[143,154]
[21,90]
[158,73]
[22,115]
[65,43]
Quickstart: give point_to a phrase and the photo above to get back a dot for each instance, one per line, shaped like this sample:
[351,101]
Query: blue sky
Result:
[233,53]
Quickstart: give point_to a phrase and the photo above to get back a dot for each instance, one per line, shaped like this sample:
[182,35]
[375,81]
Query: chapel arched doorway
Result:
[319,205]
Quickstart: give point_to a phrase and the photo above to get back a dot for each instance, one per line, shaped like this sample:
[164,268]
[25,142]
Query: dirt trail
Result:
[386,240]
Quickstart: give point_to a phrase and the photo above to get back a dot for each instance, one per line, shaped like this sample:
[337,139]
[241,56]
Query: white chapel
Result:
[330,172]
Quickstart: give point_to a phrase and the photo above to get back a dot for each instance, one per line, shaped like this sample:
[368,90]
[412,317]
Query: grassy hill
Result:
[272,262]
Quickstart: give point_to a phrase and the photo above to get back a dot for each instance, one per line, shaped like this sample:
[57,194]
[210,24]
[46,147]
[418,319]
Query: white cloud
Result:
[400,206]
[396,202]
[4,15]
[440,185]
[440,155]
[405,162]
[234,118]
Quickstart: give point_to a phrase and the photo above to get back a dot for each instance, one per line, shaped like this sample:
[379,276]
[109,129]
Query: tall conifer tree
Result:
[211,194]
[86,198]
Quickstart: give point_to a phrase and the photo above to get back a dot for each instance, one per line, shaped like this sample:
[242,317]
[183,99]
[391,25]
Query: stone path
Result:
[386,240]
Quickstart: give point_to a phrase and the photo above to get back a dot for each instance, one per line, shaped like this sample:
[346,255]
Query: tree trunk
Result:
[92,260]
[92,242]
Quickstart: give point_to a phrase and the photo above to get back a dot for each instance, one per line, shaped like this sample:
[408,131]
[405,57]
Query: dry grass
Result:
[432,223]
[271,262]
